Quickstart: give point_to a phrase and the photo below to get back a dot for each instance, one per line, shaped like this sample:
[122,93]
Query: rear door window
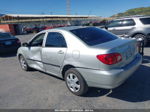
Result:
[55,39]
[93,36]
[145,20]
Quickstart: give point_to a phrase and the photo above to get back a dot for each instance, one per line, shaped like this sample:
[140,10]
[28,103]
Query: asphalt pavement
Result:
[37,90]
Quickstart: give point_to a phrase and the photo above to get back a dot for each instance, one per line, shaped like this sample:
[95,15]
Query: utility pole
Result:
[68,3]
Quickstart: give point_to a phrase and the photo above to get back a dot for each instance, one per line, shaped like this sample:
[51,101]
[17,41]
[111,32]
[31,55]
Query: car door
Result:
[127,26]
[53,53]
[34,52]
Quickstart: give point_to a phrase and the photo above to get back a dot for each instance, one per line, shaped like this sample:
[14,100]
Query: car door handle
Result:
[60,52]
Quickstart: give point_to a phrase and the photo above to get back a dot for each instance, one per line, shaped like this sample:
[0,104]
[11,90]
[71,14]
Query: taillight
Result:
[110,59]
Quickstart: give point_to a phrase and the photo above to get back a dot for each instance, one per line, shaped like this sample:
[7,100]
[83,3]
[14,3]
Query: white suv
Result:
[135,26]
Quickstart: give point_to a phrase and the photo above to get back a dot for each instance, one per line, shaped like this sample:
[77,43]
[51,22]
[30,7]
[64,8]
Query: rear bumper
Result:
[9,49]
[112,78]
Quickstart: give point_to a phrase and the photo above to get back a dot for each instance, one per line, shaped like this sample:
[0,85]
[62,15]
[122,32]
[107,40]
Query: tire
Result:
[75,82]
[137,36]
[23,64]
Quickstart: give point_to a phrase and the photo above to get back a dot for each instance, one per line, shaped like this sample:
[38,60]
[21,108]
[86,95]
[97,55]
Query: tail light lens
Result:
[110,59]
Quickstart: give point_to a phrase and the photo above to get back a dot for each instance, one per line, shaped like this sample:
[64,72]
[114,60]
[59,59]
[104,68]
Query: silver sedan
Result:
[82,56]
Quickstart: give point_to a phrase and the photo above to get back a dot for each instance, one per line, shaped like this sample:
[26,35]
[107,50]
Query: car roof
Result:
[67,28]
[132,17]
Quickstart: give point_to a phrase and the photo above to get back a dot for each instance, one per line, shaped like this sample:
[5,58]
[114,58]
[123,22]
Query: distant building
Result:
[17,22]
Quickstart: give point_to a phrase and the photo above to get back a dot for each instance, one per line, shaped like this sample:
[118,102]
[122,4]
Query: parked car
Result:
[82,56]
[34,29]
[132,26]
[27,30]
[8,43]
[100,24]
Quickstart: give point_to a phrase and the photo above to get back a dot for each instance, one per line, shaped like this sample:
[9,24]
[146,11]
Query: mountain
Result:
[135,11]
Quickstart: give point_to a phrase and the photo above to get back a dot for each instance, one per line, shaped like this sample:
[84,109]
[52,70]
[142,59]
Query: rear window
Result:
[145,20]
[5,35]
[93,36]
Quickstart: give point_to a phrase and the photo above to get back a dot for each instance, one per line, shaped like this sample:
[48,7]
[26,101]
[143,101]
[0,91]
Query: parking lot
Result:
[34,89]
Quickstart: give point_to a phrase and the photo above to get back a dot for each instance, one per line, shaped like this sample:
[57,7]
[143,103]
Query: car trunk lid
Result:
[126,47]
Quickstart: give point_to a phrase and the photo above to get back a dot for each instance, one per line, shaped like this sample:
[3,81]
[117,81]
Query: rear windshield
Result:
[145,20]
[93,36]
[5,35]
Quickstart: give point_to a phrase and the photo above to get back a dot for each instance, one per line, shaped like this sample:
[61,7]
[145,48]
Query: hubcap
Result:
[73,82]
[23,63]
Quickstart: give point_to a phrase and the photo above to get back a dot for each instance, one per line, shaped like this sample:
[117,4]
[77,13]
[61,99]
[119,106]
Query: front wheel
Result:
[75,82]
[23,63]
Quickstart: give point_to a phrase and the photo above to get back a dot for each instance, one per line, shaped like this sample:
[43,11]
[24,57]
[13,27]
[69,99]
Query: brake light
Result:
[110,59]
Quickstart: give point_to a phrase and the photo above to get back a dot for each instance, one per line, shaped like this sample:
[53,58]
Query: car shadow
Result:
[147,46]
[135,89]
[8,55]
[48,74]
[97,92]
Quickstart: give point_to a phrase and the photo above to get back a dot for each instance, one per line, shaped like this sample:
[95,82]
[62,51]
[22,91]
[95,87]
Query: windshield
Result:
[5,35]
[93,36]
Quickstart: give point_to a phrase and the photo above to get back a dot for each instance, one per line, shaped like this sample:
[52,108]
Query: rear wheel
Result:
[75,82]
[23,63]
[142,36]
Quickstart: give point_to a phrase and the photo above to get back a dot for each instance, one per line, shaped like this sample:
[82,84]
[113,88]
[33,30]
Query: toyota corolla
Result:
[82,56]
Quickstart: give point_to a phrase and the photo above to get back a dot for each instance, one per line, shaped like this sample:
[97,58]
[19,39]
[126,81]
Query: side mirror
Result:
[25,45]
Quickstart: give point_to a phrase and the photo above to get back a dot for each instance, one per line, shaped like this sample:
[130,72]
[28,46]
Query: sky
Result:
[104,8]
